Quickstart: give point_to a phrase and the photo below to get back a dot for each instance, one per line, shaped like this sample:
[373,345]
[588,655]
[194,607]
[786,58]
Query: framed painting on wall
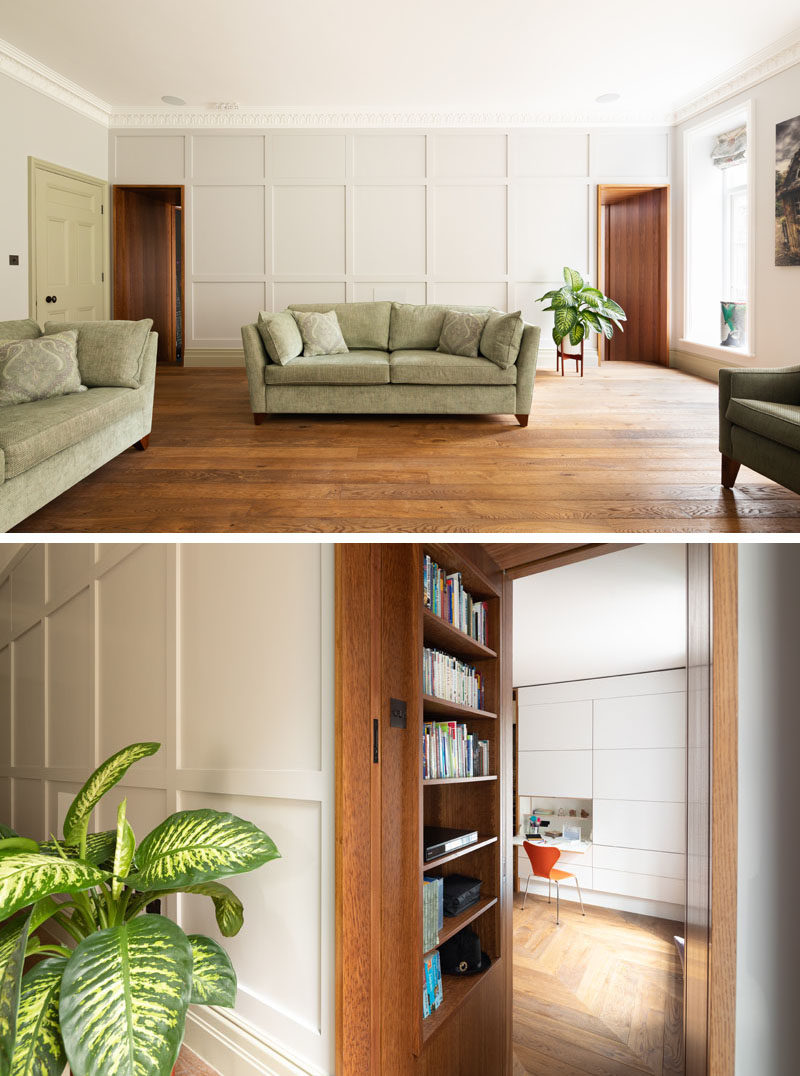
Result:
[787,192]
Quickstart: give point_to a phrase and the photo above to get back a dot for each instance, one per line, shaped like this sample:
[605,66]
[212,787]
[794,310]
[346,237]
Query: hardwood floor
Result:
[599,995]
[189,1064]
[627,448]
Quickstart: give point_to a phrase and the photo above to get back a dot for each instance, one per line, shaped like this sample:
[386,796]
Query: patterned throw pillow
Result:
[461,333]
[38,369]
[320,332]
[281,336]
[502,337]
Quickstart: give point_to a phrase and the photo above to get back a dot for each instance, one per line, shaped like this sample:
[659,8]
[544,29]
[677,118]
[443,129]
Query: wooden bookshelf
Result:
[463,802]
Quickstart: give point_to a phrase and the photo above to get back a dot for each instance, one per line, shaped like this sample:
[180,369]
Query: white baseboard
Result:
[659,908]
[700,365]
[228,1045]
[213,356]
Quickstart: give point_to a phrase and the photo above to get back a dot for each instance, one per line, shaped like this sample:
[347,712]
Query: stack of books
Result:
[444,595]
[432,993]
[448,750]
[432,911]
[450,679]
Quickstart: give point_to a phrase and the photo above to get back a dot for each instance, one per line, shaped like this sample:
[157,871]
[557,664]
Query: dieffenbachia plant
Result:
[112,984]
[579,309]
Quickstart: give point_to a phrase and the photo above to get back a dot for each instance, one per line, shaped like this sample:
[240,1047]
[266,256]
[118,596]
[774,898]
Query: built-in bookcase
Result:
[463,802]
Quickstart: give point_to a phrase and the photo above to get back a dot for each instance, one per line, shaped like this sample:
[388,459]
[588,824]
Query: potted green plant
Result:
[579,309]
[111,988]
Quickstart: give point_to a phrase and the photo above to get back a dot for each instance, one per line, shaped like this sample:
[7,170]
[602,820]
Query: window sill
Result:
[716,351]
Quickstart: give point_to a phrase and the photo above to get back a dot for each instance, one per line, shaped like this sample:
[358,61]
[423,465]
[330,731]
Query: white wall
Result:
[453,216]
[775,288]
[624,612]
[769,749]
[34,125]
[224,654]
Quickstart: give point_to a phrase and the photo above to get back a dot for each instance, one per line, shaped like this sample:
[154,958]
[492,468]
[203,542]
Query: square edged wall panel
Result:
[616,153]
[471,294]
[27,584]
[220,308]
[550,224]
[401,292]
[470,155]
[28,711]
[146,809]
[549,153]
[388,156]
[308,230]
[5,612]
[286,293]
[306,156]
[389,231]
[5,799]
[470,227]
[227,158]
[228,231]
[148,159]
[5,708]
[70,715]
[66,562]
[28,807]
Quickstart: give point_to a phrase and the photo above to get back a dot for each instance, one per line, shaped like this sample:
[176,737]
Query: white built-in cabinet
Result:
[620,742]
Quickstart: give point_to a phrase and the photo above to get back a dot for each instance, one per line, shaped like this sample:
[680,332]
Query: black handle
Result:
[51,299]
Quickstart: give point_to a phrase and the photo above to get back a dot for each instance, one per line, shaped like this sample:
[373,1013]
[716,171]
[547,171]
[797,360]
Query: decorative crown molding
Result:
[777,57]
[25,69]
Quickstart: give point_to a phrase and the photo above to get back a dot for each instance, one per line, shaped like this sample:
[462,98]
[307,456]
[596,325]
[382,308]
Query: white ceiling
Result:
[510,56]
[624,612]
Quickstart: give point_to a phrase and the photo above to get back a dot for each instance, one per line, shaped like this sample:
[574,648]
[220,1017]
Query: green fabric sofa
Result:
[759,424]
[392,367]
[49,445]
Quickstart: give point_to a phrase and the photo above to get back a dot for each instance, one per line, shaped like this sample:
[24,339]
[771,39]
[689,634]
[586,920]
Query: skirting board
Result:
[229,1047]
[659,908]
[213,356]
[699,365]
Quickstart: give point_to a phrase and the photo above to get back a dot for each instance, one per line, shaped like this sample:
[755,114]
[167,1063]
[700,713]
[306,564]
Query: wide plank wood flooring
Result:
[599,995]
[628,448]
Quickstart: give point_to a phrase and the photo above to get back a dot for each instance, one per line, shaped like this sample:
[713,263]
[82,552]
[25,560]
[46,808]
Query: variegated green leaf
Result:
[213,977]
[125,847]
[10,845]
[564,320]
[39,1049]
[615,310]
[199,846]
[99,848]
[227,906]
[7,831]
[26,878]
[573,278]
[608,328]
[124,997]
[576,333]
[13,940]
[104,777]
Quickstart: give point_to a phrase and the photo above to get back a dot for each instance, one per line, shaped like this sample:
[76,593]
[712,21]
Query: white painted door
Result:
[68,227]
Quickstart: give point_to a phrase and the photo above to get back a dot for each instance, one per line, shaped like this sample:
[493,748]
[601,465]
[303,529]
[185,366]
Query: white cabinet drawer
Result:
[639,861]
[650,774]
[645,886]
[566,860]
[643,721]
[557,726]
[635,824]
[555,773]
[582,873]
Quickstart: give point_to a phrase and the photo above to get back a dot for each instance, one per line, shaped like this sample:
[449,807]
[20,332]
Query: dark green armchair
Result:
[759,424]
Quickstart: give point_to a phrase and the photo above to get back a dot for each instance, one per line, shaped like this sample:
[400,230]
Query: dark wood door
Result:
[147,273]
[636,238]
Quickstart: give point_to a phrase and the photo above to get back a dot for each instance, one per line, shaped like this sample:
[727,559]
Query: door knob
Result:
[51,299]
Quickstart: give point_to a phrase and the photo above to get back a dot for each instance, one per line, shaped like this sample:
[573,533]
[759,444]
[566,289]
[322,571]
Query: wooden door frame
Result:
[35,165]
[181,189]
[630,190]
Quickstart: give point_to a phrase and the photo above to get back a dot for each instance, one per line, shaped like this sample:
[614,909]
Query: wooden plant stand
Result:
[562,355]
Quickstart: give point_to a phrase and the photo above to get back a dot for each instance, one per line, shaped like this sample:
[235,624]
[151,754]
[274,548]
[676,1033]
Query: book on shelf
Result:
[451,680]
[443,593]
[432,988]
[432,911]
[449,750]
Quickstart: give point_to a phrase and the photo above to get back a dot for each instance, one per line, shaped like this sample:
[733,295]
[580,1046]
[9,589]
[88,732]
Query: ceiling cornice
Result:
[25,69]
[777,57]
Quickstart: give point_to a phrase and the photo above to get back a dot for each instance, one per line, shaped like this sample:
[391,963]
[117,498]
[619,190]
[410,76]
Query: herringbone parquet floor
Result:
[599,995]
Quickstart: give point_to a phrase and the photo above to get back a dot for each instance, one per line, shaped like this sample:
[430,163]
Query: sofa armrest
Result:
[148,374]
[255,360]
[526,367]
[777,385]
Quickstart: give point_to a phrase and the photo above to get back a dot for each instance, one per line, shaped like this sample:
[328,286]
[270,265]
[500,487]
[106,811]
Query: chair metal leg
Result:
[527,884]
[558,904]
[580,898]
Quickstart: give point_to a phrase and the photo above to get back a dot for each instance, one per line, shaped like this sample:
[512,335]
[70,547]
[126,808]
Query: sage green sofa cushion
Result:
[461,333]
[110,353]
[321,333]
[422,367]
[419,327]
[39,369]
[501,338]
[27,329]
[363,367]
[281,336]
[33,432]
[777,421]
[363,325]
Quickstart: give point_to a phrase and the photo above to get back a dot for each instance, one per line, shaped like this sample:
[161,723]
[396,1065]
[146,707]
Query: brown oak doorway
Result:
[633,269]
[148,260]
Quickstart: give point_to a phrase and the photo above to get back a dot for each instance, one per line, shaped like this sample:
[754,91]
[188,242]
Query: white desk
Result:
[580,847]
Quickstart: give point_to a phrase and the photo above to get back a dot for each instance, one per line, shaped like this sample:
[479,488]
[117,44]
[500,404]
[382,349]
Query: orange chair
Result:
[543,859]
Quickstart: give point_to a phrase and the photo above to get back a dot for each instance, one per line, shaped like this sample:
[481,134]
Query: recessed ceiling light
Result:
[168,99]
[607,98]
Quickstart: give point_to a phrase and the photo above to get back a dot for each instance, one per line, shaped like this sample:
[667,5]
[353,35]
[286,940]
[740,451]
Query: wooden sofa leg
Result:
[258,417]
[143,442]
[523,419]
[730,469]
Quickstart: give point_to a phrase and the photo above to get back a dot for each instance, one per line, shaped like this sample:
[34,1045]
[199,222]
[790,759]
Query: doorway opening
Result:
[148,263]
[633,269]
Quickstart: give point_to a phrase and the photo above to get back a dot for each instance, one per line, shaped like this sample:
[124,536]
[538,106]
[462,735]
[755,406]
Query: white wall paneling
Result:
[121,642]
[471,216]
[641,824]
[565,774]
